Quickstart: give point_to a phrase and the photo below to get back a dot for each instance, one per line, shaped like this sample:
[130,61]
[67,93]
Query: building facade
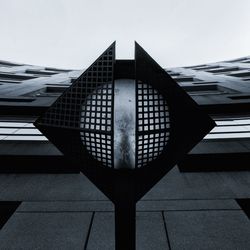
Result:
[203,203]
[222,89]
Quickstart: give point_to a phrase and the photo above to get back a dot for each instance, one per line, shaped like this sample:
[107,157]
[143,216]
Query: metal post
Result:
[125,234]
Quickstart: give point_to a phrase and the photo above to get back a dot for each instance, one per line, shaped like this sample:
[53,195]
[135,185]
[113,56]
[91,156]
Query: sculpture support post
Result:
[125,234]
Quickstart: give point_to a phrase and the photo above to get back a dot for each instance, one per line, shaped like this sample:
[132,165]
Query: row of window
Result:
[230,129]
[225,129]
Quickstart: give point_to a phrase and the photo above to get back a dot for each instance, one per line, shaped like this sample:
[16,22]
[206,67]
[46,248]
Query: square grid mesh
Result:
[100,146]
[97,111]
[152,124]
[96,124]
[87,106]
[65,112]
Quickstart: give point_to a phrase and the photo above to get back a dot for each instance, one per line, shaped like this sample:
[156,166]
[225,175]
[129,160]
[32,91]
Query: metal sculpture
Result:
[167,124]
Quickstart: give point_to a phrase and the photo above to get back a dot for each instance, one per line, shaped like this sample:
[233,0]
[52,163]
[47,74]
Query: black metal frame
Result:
[65,125]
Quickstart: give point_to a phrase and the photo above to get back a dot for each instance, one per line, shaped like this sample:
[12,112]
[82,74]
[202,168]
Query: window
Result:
[16,99]
[230,129]
[241,74]
[223,70]
[19,131]
[40,72]
[239,97]
[10,76]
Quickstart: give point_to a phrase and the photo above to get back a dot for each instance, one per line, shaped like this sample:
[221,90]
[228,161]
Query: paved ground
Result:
[183,211]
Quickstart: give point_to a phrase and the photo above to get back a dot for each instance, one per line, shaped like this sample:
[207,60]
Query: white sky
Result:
[72,33]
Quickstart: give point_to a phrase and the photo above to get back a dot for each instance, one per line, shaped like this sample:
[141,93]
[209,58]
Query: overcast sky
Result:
[72,33]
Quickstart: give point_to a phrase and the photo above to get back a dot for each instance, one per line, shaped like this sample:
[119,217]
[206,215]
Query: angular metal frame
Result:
[71,129]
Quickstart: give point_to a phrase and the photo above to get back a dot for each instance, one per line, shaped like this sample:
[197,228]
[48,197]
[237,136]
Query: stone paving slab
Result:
[182,205]
[211,229]
[102,235]
[48,187]
[145,205]
[150,232]
[199,209]
[45,231]
[175,185]
[65,206]
[207,230]
[207,185]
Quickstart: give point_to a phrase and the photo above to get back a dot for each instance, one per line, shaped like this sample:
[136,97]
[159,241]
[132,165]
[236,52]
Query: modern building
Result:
[203,203]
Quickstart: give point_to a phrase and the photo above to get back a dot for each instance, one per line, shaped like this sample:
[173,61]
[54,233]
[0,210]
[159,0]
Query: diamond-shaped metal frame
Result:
[71,123]
[169,124]
[168,128]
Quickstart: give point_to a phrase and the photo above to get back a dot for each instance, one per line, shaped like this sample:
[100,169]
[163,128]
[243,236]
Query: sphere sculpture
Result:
[150,114]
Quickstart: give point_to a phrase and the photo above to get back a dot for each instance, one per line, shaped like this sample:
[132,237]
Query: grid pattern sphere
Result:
[153,124]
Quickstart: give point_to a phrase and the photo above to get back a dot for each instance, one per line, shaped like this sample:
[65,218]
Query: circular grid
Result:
[152,130]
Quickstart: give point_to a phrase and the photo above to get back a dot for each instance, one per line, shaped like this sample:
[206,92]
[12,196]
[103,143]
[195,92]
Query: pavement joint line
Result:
[89,231]
[140,211]
[166,230]
[146,200]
